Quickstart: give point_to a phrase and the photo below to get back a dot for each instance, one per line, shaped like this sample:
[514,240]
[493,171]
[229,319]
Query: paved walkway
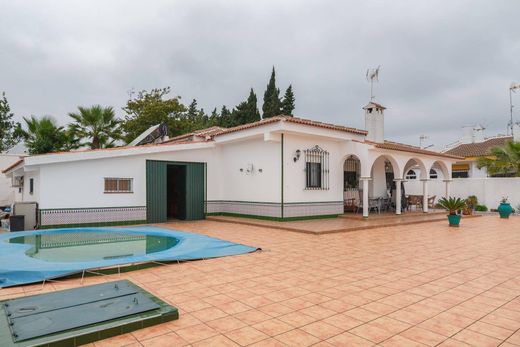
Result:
[419,285]
[343,223]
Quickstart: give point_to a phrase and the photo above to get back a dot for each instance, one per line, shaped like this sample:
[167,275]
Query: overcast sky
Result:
[445,64]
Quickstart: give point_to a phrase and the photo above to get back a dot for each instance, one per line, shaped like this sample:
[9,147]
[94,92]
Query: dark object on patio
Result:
[350,205]
[414,200]
[431,201]
[17,223]
[81,315]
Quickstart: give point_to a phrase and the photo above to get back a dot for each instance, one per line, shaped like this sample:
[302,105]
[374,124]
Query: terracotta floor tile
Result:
[196,333]
[423,336]
[372,333]
[167,340]
[476,339]
[490,330]
[297,338]
[343,321]
[246,336]
[226,324]
[322,330]
[318,312]
[349,340]
[156,330]
[116,341]
[270,342]
[273,327]
[208,314]
[297,319]
[252,316]
[400,341]
[276,309]
[362,314]
[219,340]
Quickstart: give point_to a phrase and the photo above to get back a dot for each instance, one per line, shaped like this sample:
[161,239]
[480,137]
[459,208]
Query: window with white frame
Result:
[316,168]
[433,174]
[118,185]
[411,175]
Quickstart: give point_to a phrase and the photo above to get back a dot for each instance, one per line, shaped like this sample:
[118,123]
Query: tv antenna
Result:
[373,75]
[421,142]
[512,89]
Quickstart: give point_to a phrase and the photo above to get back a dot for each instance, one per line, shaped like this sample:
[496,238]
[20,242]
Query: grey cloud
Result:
[445,63]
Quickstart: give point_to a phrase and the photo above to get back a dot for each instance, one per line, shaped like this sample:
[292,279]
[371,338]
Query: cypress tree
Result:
[272,104]
[225,118]
[288,102]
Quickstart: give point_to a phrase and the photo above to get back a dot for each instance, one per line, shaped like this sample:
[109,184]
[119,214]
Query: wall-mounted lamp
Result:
[260,170]
[297,155]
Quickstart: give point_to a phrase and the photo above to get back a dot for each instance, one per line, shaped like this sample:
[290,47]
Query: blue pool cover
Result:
[34,256]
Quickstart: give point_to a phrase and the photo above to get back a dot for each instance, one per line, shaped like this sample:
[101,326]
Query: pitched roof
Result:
[12,166]
[479,149]
[395,146]
[374,104]
[295,120]
[211,131]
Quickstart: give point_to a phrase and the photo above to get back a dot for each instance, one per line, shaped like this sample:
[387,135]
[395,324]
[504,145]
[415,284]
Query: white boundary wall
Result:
[488,190]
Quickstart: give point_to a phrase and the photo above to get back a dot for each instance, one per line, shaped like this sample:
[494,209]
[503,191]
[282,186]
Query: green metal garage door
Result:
[156,190]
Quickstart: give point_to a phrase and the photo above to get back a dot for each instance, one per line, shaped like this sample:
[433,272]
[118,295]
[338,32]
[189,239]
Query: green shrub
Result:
[481,208]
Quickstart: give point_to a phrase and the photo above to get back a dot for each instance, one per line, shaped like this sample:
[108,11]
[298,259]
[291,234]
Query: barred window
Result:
[118,185]
[316,168]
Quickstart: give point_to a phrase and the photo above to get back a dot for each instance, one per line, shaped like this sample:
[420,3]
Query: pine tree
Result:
[10,132]
[288,102]
[214,118]
[225,118]
[246,111]
[272,104]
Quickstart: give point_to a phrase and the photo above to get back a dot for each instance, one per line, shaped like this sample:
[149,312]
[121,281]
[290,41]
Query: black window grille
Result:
[316,168]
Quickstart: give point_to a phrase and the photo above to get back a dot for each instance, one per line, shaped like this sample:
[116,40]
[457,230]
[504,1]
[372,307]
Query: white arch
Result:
[425,173]
[392,160]
[443,167]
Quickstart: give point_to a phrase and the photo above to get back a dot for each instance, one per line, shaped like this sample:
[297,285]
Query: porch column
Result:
[365,195]
[398,195]
[425,194]
[447,188]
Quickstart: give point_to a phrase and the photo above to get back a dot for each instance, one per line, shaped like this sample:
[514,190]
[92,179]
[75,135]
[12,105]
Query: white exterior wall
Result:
[488,190]
[8,194]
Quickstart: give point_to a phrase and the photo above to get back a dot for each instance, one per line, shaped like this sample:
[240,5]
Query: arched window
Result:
[411,175]
[433,174]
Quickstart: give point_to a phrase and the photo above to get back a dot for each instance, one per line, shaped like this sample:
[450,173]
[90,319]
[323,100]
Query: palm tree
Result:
[502,160]
[43,135]
[97,125]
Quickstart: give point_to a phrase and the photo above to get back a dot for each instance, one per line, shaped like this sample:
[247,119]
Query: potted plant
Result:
[453,205]
[471,203]
[504,209]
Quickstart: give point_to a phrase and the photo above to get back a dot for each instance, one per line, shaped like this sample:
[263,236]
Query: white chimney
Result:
[375,122]
[478,134]
[467,134]
[516,132]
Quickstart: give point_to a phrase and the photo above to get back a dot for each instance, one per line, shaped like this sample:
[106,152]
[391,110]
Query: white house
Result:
[281,168]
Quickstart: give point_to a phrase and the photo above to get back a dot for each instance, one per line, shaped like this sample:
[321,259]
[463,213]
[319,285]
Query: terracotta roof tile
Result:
[295,120]
[211,131]
[395,146]
[12,166]
[479,149]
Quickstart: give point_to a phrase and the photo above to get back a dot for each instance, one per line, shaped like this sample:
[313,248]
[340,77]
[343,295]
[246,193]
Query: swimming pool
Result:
[33,256]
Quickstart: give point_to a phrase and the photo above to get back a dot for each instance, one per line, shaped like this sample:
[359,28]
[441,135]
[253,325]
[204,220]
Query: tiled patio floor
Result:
[415,285]
[345,222]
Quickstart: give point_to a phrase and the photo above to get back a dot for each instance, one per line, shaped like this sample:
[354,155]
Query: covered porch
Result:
[374,181]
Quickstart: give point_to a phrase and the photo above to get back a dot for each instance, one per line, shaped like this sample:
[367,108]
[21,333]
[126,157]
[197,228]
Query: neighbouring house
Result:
[279,168]
[9,190]
[468,179]
[473,146]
